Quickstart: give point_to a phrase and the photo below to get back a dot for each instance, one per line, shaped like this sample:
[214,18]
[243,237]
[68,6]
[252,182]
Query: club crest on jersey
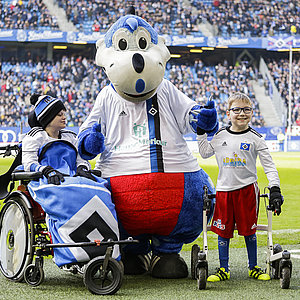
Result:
[245,147]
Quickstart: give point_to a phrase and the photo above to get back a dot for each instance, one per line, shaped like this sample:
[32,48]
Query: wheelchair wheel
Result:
[16,238]
[285,278]
[194,260]
[275,264]
[33,275]
[103,283]
[201,278]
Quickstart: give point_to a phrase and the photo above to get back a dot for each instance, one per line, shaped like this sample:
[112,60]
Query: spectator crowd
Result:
[280,74]
[257,18]
[30,15]
[78,80]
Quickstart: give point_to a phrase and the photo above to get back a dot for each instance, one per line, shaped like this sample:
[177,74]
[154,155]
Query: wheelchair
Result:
[279,264]
[25,240]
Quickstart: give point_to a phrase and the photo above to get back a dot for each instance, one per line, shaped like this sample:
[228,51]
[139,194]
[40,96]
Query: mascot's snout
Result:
[138,62]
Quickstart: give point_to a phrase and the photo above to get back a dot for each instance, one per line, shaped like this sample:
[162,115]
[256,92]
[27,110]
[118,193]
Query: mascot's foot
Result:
[168,265]
[135,264]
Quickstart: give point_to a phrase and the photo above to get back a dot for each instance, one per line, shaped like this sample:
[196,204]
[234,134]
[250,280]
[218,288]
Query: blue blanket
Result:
[78,210]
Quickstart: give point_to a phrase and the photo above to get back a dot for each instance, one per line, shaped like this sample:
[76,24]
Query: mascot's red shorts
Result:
[148,203]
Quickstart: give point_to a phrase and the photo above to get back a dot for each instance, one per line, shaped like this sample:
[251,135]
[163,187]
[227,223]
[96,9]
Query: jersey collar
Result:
[239,132]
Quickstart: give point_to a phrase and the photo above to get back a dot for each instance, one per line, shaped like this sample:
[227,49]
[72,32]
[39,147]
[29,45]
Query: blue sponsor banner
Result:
[221,42]
[270,43]
[49,36]
[14,134]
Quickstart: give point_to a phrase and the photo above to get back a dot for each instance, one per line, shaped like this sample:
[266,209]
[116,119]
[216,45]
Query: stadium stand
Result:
[78,80]
[167,17]
[228,18]
[22,14]
[280,73]
[256,18]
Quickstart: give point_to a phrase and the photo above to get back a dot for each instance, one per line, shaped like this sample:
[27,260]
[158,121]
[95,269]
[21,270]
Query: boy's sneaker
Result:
[220,275]
[257,273]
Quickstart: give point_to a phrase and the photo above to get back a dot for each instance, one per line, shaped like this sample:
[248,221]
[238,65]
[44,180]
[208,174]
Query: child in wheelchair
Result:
[237,198]
[77,203]
[82,228]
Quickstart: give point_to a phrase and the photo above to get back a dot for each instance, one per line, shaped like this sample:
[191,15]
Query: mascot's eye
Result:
[142,43]
[122,44]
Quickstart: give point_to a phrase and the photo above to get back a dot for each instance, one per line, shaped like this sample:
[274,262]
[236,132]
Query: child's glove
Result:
[204,119]
[276,200]
[53,176]
[94,141]
[84,172]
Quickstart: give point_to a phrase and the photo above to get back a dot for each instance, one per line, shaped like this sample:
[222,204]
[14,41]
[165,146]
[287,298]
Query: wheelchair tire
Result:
[275,264]
[109,283]
[285,278]
[33,275]
[194,260]
[16,238]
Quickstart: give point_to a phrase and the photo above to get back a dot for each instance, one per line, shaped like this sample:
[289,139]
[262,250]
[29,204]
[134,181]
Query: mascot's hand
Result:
[204,119]
[53,176]
[84,172]
[94,141]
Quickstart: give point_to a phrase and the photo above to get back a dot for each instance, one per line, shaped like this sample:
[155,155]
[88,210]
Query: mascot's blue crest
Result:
[130,22]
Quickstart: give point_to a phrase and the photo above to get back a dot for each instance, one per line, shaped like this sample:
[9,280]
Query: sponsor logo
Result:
[253,226]
[8,136]
[234,161]
[219,224]
[122,114]
[224,143]
[140,132]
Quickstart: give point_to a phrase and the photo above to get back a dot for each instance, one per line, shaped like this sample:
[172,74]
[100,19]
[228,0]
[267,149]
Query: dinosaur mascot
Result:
[137,124]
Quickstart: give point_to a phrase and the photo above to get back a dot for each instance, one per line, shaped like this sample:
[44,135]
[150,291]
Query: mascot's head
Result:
[134,58]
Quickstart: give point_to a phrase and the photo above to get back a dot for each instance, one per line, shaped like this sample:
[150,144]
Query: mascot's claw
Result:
[204,118]
[94,141]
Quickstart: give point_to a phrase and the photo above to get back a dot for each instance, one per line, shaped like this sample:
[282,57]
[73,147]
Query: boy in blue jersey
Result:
[237,198]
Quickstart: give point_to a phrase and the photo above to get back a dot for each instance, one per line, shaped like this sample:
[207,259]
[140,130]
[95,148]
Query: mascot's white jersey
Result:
[36,138]
[236,154]
[146,136]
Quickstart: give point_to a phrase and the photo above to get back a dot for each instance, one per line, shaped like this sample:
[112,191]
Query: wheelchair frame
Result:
[279,264]
[24,235]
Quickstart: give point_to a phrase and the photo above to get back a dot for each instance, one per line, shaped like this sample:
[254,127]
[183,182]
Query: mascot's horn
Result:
[130,10]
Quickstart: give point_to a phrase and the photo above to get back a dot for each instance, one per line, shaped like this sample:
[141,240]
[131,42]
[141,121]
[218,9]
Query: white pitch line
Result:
[280,231]
[295,256]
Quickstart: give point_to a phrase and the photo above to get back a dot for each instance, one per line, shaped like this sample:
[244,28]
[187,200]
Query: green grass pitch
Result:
[286,231]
